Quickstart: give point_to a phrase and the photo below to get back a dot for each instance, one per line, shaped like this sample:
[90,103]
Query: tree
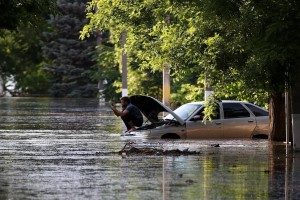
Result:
[105,69]
[21,58]
[69,58]
[259,40]
[15,13]
[241,45]
[20,25]
[141,79]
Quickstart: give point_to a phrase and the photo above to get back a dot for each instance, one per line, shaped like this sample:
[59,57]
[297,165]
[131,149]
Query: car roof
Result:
[224,101]
[233,101]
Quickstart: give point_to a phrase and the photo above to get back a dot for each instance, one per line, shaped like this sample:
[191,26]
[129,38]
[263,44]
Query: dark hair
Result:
[126,99]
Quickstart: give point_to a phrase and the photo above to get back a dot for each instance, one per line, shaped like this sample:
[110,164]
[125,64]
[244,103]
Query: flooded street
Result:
[68,149]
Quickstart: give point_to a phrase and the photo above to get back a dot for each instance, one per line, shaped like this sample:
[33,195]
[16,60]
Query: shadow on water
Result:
[49,148]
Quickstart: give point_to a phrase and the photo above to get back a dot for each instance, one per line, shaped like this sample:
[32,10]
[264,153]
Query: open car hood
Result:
[151,107]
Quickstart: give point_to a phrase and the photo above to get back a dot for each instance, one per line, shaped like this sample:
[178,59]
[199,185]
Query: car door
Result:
[196,129]
[262,119]
[238,121]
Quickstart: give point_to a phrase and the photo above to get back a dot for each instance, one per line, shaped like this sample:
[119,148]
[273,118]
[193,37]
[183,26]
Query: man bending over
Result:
[130,114]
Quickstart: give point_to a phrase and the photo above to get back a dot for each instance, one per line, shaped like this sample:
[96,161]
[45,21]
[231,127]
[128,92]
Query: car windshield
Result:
[184,111]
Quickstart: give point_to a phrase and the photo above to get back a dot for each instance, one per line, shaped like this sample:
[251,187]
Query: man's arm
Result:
[119,113]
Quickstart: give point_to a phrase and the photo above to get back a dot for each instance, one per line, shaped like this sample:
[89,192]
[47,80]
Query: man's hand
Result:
[114,109]
[112,103]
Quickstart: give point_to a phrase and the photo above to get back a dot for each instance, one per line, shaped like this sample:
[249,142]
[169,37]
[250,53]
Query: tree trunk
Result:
[277,117]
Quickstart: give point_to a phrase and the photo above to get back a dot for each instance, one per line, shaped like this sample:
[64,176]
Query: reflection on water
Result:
[48,151]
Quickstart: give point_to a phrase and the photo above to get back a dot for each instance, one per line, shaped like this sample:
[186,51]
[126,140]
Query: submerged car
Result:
[233,119]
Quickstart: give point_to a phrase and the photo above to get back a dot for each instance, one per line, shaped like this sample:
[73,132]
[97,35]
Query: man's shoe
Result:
[132,129]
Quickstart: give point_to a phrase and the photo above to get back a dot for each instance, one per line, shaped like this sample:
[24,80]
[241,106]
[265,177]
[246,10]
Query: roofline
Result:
[234,101]
[225,101]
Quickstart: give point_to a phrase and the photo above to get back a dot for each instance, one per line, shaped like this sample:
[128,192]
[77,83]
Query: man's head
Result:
[125,101]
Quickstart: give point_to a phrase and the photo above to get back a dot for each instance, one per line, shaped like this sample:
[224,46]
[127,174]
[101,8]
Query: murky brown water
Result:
[48,150]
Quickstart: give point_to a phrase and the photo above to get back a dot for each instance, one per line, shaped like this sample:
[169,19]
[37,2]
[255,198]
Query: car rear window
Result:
[234,110]
[257,111]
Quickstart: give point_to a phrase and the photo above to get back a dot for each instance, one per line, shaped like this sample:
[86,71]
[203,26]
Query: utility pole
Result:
[166,75]
[124,65]
[1,86]
[287,107]
[295,111]
[100,81]
[208,89]
[166,85]
[101,95]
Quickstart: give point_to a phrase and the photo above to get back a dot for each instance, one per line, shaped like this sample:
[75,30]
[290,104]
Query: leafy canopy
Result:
[243,47]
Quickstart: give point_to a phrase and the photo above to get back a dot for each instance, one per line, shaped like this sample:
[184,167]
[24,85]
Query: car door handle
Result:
[250,121]
[218,123]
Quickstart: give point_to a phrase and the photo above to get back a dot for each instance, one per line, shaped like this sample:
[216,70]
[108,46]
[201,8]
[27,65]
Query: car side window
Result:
[200,114]
[234,110]
[257,111]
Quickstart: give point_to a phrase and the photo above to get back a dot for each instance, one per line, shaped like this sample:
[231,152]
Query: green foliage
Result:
[21,24]
[242,47]
[152,37]
[15,13]
[35,83]
[187,93]
[211,106]
[20,56]
[145,82]
[69,58]
[230,85]
[105,68]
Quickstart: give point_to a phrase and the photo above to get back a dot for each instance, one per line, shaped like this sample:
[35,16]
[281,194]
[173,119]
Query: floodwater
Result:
[66,149]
